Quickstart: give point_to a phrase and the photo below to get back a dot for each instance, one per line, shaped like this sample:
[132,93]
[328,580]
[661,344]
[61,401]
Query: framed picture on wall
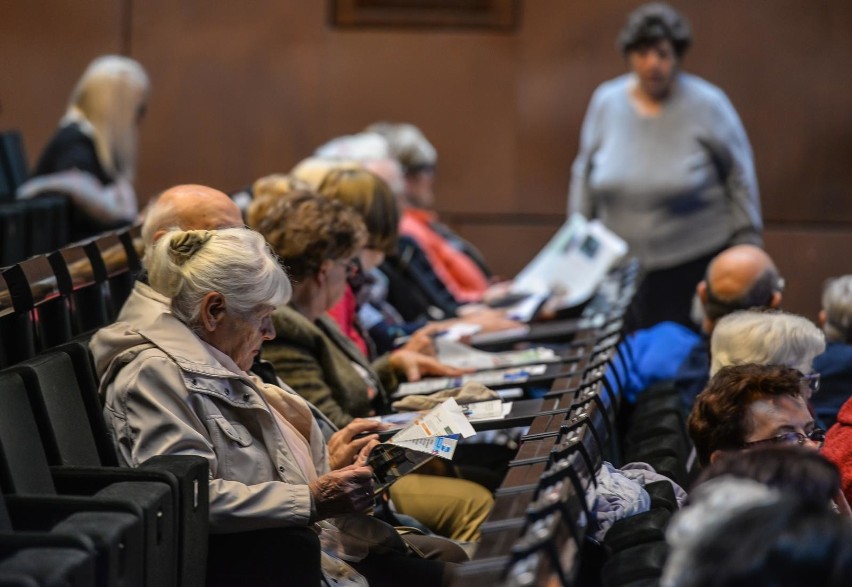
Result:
[497,15]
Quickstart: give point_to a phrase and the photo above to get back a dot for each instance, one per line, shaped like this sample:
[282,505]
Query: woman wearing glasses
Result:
[749,406]
[317,239]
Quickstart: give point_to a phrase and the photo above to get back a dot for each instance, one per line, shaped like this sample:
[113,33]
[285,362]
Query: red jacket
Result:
[838,447]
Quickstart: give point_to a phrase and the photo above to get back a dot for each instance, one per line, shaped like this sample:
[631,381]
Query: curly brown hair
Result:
[720,417]
[306,229]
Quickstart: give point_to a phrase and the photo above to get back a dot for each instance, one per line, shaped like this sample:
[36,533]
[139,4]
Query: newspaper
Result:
[434,434]
[569,269]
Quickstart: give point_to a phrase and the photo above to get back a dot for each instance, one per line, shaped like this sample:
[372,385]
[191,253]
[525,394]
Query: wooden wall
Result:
[246,89]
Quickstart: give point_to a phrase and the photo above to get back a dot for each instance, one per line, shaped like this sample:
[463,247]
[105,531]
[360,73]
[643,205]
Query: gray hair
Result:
[407,144]
[837,305]
[235,262]
[765,337]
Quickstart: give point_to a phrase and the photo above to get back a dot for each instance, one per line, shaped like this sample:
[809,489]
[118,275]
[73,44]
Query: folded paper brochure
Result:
[435,433]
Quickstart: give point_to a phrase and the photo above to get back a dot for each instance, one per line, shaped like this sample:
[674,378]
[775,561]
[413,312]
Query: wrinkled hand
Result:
[416,365]
[343,446]
[344,491]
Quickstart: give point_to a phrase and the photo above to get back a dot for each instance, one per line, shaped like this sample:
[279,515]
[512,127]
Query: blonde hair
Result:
[278,184]
[235,262]
[371,197]
[106,104]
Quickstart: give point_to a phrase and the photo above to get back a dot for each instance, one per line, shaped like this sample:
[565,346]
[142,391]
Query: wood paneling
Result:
[242,90]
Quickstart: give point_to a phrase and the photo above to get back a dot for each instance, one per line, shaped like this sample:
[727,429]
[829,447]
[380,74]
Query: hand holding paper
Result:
[433,434]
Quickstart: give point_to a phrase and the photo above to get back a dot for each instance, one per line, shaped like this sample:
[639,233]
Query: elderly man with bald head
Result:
[187,207]
[740,277]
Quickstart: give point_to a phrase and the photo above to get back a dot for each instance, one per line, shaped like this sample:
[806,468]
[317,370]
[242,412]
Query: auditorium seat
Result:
[26,478]
[68,411]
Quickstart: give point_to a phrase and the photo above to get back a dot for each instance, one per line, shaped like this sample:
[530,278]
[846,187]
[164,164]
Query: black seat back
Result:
[23,463]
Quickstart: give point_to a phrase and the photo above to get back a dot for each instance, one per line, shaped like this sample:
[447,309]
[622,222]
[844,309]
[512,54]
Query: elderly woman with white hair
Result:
[181,386]
[766,337]
[92,156]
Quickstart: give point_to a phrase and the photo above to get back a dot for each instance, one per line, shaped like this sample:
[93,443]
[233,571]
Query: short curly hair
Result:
[720,417]
[654,22]
[306,229]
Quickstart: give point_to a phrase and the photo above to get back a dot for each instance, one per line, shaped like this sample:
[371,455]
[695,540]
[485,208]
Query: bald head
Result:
[189,207]
[738,278]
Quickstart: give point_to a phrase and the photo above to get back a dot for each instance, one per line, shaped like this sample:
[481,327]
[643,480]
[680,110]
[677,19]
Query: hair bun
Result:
[185,245]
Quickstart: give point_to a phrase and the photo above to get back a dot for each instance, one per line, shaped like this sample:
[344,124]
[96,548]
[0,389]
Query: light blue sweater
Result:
[675,186]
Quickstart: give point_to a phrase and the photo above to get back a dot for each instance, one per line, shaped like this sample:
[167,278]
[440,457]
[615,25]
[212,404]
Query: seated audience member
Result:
[766,337]
[744,406]
[373,200]
[316,239]
[741,532]
[168,389]
[459,266]
[835,364]
[398,297]
[319,249]
[92,157]
[738,278]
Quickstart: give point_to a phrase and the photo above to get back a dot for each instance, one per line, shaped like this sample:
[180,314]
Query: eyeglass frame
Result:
[813,380]
[786,438]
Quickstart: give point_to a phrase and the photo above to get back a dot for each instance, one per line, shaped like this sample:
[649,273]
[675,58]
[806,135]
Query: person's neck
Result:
[649,104]
[307,302]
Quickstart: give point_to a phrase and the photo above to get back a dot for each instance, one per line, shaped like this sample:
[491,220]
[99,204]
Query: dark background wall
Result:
[242,89]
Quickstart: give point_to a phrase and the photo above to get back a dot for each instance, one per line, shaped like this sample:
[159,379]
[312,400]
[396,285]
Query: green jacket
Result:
[318,361]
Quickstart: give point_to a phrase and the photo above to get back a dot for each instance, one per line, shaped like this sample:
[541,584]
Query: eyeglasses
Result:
[816,435]
[812,380]
[352,266]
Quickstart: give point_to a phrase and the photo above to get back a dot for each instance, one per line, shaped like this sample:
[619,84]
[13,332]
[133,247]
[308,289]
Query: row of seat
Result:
[27,227]
[46,300]
[68,514]
[58,466]
[539,531]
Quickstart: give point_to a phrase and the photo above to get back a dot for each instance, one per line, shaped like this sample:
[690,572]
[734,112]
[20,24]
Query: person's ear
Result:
[212,310]
[775,300]
[322,273]
[716,455]
[822,318]
[701,290]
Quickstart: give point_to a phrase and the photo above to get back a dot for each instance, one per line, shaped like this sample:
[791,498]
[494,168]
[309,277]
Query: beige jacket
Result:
[166,393]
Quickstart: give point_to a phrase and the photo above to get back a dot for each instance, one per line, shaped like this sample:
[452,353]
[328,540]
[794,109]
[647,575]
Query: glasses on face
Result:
[352,266]
[816,435]
[812,380]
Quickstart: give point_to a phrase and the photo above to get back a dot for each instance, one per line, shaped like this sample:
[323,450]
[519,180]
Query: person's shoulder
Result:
[613,89]
[293,328]
[700,90]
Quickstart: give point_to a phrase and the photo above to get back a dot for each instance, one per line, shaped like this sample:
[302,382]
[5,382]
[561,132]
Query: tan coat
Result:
[166,393]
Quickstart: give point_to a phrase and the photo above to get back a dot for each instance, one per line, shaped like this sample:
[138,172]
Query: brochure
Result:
[463,356]
[487,378]
[434,434]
